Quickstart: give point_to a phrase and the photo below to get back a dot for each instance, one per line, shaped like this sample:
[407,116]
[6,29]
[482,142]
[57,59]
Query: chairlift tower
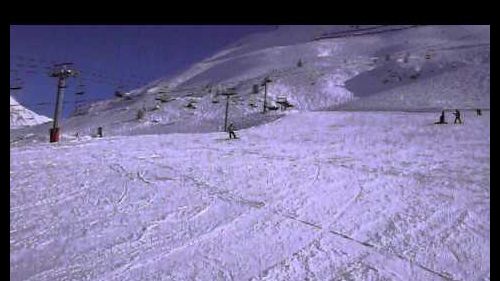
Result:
[228,94]
[62,72]
[264,83]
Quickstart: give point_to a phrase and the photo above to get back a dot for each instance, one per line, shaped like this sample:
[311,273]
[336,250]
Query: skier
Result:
[231,130]
[99,132]
[478,111]
[457,117]
[441,119]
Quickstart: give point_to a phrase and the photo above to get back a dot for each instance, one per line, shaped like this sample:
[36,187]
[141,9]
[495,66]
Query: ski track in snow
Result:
[312,196]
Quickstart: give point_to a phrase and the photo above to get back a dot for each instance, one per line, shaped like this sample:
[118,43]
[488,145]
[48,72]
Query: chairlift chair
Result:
[281,99]
[266,80]
[255,89]
[119,91]
[17,84]
[429,54]
[80,89]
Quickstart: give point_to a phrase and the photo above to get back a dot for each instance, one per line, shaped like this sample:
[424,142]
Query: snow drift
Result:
[20,116]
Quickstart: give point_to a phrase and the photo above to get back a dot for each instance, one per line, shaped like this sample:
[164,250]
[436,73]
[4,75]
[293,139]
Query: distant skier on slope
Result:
[457,117]
[478,111]
[441,119]
[231,130]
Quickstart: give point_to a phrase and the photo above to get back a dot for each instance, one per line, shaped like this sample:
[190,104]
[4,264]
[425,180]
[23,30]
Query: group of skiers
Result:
[458,118]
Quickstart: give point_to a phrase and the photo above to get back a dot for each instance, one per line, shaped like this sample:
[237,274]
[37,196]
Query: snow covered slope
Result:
[20,116]
[302,195]
[311,196]
[314,68]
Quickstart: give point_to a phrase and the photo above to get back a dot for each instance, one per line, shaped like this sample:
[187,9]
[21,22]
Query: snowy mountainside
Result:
[20,116]
[314,68]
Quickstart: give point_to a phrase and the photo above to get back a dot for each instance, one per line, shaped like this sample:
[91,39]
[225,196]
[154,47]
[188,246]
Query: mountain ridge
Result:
[409,69]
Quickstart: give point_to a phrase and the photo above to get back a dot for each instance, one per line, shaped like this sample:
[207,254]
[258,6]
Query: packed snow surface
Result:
[310,196]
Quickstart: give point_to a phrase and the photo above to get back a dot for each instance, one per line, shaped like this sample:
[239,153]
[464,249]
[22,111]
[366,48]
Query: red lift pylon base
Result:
[54,134]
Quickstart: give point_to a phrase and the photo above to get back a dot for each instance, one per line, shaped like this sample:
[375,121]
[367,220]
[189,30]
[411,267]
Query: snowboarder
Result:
[231,130]
[457,117]
[478,111]
[441,119]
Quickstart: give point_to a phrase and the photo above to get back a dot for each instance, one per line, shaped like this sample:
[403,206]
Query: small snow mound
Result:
[20,116]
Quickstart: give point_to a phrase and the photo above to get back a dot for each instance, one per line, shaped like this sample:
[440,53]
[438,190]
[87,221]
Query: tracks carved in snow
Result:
[372,248]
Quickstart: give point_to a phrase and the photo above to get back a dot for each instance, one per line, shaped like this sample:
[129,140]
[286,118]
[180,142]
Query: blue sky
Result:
[108,56]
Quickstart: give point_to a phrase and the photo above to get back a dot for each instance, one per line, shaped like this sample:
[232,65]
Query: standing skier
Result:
[478,111]
[441,119]
[231,130]
[457,117]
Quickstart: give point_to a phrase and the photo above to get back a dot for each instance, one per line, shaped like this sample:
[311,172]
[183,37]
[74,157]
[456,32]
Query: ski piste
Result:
[353,182]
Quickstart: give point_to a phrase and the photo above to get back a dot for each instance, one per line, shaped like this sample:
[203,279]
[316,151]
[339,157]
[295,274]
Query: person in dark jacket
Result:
[457,117]
[478,111]
[231,130]
[441,119]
